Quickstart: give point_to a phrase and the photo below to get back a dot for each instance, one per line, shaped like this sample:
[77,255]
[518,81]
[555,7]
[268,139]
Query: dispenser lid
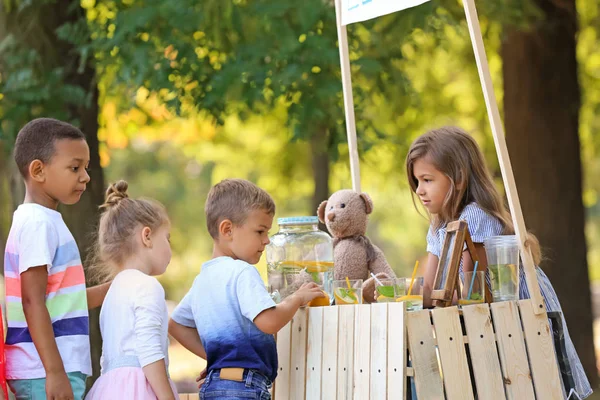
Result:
[298,220]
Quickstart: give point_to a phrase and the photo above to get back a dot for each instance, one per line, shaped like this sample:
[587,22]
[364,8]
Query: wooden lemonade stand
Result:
[487,351]
[492,351]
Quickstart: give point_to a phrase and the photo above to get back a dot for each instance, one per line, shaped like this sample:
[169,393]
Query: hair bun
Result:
[115,193]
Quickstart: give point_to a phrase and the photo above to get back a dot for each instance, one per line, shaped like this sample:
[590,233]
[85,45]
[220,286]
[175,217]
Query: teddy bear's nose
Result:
[331,216]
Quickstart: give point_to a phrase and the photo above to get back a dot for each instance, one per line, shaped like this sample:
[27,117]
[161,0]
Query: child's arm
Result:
[33,293]
[156,373]
[429,278]
[96,295]
[149,318]
[270,321]
[188,338]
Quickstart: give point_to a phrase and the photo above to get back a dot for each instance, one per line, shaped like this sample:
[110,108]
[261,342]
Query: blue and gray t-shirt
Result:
[224,300]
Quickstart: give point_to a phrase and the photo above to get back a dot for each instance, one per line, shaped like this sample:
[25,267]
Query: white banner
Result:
[362,10]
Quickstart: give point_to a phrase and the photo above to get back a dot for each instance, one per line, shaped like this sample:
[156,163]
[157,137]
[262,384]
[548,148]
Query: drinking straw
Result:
[376,280]
[412,279]
[472,280]
[348,283]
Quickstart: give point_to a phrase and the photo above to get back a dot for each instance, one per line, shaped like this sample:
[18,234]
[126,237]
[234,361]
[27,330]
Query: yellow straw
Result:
[412,279]
[348,283]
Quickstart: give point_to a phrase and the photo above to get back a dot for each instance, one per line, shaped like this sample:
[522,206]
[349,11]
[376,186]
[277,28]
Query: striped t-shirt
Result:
[38,236]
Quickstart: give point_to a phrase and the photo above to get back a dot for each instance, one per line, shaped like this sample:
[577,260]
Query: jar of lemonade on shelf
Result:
[300,253]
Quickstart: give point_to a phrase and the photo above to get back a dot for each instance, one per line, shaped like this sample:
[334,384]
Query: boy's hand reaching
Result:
[270,321]
[58,387]
[308,292]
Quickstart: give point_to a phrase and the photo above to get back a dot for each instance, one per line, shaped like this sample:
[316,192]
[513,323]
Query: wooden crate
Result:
[502,351]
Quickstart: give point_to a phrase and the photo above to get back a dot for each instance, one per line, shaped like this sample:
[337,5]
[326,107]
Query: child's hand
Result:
[201,378]
[308,292]
[58,387]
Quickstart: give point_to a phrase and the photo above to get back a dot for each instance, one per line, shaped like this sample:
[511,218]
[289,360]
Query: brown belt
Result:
[232,374]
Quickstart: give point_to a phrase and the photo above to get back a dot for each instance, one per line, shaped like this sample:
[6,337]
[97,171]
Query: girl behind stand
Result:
[447,172]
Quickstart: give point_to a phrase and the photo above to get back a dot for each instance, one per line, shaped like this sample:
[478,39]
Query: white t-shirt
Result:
[38,236]
[134,321]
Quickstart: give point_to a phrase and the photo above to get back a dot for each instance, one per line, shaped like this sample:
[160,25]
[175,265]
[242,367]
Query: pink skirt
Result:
[126,383]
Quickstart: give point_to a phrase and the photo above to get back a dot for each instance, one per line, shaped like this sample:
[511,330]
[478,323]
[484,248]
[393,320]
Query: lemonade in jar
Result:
[300,253]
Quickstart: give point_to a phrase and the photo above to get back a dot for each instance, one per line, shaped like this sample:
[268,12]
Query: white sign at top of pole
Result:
[362,10]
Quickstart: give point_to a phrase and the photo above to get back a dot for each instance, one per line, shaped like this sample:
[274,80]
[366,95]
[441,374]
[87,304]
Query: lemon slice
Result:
[412,297]
[345,296]
[320,301]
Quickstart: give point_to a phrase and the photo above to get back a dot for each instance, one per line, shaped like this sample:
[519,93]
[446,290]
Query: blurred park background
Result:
[174,96]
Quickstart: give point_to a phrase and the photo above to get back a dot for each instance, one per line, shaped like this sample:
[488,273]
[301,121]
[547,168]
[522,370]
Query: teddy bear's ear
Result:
[321,211]
[368,202]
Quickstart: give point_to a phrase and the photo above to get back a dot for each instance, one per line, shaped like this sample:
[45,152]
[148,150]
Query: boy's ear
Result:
[146,237]
[321,211]
[225,229]
[37,171]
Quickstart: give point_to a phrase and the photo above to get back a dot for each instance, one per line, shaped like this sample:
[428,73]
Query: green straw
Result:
[472,280]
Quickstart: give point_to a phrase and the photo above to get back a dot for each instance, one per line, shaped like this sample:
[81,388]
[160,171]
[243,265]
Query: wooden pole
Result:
[503,157]
[348,101]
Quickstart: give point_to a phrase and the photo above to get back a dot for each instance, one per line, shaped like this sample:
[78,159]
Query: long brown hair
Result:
[121,218]
[456,154]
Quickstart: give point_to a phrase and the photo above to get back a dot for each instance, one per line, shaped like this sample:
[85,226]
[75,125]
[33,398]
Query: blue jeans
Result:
[35,389]
[253,386]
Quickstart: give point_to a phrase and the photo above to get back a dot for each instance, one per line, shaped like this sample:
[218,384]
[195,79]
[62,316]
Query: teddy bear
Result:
[346,215]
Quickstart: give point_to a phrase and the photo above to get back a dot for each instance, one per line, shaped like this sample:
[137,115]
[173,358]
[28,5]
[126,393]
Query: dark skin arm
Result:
[33,292]
[96,295]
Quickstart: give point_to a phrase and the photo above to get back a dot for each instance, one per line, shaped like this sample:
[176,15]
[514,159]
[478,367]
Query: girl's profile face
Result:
[161,251]
[432,185]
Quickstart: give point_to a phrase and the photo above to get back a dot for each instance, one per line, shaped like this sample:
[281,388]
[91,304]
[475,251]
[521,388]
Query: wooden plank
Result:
[330,352]
[284,345]
[396,361]
[345,354]
[379,347]
[502,151]
[540,347]
[362,351]
[453,357]
[298,355]
[314,350]
[484,354]
[422,351]
[513,357]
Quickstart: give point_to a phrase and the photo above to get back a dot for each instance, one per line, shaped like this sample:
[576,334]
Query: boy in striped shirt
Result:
[47,340]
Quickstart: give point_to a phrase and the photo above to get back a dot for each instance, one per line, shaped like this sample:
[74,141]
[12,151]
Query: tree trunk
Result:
[320,169]
[541,103]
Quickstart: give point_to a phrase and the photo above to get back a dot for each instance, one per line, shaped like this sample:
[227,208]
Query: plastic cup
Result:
[389,289]
[478,291]
[414,299]
[503,265]
[344,295]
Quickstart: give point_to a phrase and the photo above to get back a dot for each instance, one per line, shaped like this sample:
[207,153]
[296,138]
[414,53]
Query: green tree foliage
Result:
[246,57]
